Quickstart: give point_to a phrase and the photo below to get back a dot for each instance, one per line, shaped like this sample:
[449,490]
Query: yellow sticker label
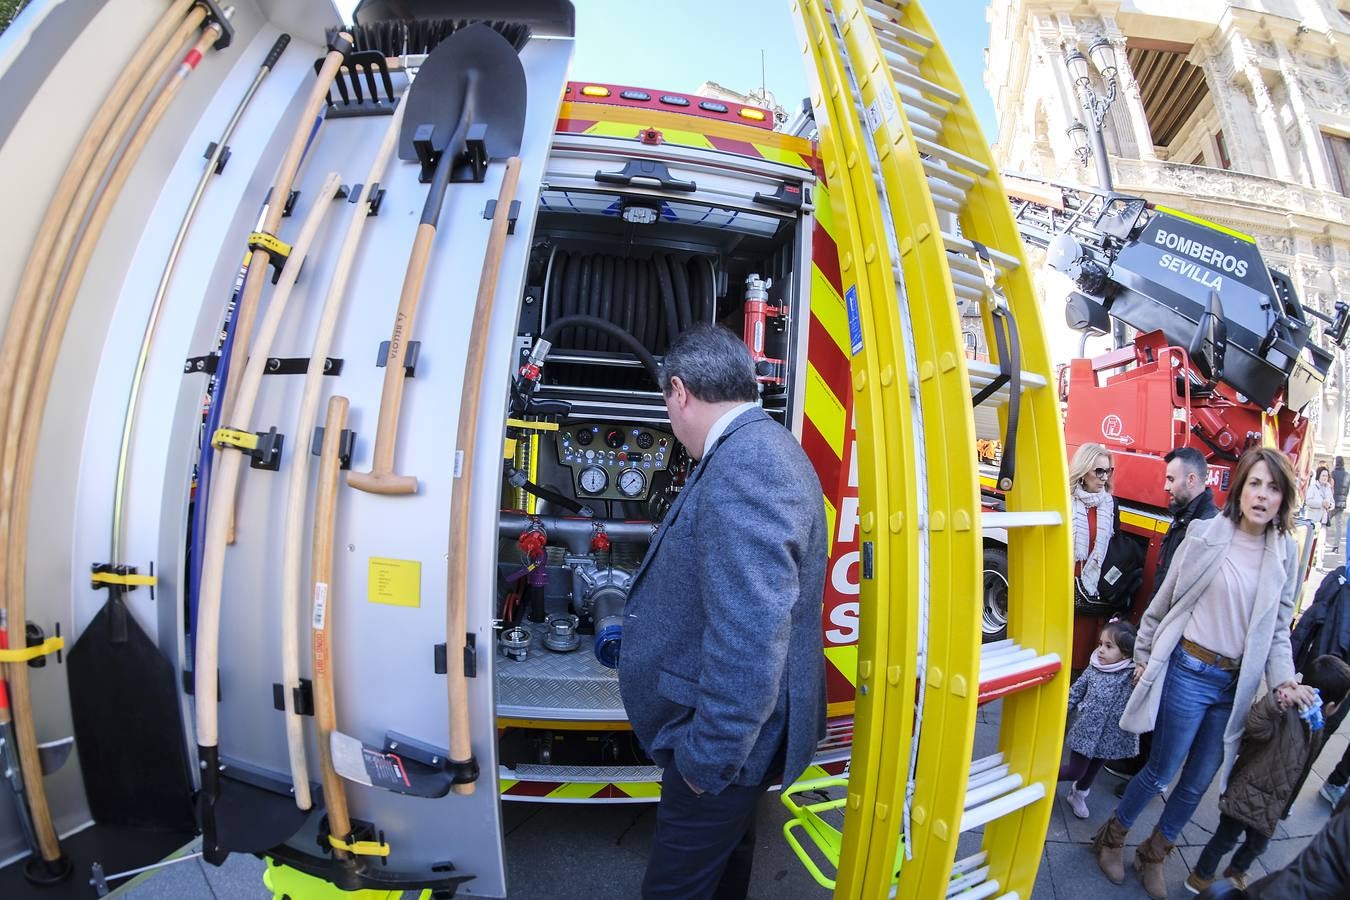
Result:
[394,582]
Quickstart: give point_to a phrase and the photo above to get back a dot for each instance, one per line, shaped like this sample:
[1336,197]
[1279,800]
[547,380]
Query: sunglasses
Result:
[1102,473]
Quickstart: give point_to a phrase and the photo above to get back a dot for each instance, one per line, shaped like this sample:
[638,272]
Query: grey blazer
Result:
[722,657]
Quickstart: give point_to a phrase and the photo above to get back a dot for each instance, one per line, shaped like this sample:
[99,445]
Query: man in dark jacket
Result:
[722,671]
[1319,872]
[1278,749]
[1325,628]
[1188,500]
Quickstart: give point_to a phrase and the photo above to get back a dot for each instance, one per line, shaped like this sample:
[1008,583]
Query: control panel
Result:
[614,462]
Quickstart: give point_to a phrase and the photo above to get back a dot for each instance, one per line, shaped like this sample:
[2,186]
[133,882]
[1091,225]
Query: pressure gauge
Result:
[593,479]
[645,440]
[632,483]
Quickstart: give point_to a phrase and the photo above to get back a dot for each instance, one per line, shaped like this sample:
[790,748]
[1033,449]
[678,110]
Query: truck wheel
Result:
[995,618]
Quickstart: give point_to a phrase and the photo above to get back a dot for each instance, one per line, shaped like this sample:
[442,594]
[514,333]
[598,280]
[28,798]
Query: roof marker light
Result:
[595,90]
[756,114]
[673,100]
[710,106]
[635,95]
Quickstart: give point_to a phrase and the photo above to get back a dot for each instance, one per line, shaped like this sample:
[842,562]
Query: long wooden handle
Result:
[227,476]
[321,617]
[461,492]
[381,479]
[247,308]
[297,487]
[32,384]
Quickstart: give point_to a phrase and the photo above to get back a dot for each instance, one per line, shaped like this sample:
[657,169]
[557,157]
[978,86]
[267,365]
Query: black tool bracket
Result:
[469,163]
[276,365]
[441,659]
[302,697]
[267,455]
[409,357]
[372,198]
[346,443]
[34,636]
[513,213]
[362,832]
[221,160]
[215,13]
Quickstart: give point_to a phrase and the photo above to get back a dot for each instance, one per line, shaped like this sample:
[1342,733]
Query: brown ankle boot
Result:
[1149,859]
[1109,845]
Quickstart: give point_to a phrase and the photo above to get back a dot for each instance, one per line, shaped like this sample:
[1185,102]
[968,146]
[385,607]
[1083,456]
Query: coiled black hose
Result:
[671,319]
[570,294]
[708,278]
[680,275]
[609,328]
[629,296]
[640,300]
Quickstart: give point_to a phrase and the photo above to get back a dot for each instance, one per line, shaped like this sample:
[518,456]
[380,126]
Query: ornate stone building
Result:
[1237,112]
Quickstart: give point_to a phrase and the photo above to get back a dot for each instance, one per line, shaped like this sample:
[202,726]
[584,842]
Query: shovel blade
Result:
[53,754]
[254,810]
[472,77]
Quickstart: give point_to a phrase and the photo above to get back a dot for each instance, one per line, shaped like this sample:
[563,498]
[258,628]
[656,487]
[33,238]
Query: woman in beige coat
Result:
[1218,623]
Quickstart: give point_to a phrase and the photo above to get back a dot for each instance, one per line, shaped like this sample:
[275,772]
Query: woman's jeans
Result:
[1197,699]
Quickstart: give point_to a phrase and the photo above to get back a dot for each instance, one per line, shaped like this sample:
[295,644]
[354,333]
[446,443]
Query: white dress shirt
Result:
[720,426]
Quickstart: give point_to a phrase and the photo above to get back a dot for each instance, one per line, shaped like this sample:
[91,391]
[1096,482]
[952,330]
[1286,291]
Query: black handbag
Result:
[1122,573]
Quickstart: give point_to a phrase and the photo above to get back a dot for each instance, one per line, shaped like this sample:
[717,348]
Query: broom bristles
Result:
[395,37]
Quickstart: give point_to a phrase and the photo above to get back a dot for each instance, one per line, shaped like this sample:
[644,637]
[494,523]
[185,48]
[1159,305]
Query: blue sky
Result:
[679,45]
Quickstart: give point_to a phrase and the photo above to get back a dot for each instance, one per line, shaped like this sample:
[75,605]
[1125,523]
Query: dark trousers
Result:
[1080,770]
[1341,774]
[704,845]
[1226,837]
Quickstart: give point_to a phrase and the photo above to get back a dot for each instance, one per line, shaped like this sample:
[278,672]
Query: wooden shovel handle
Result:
[461,492]
[321,616]
[247,309]
[381,479]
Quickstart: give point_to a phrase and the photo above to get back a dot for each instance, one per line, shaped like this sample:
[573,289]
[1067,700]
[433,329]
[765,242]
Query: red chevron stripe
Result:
[825,256]
[829,360]
[731,145]
[823,460]
[574,126]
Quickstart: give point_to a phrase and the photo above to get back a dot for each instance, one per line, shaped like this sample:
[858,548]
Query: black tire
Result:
[994,598]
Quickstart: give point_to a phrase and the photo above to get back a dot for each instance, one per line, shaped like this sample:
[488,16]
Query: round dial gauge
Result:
[614,438]
[585,436]
[632,483]
[645,440]
[593,479]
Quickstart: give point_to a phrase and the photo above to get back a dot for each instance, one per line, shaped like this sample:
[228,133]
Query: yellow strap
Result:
[261,240]
[360,848]
[129,580]
[510,449]
[531,426]
[232,437]
[24,654]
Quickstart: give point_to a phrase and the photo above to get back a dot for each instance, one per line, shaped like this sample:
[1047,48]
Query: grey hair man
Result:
[722,669]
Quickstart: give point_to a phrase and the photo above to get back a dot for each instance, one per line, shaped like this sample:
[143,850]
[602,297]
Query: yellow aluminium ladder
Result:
[910,178]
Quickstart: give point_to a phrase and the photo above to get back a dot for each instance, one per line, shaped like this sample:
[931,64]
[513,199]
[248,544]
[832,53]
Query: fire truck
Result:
[1223,356]
[330,456]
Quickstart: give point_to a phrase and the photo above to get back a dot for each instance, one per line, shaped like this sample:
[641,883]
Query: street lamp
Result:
[1101,55]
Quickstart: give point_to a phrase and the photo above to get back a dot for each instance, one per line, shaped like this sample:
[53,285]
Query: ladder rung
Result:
[911,77]
[997,647]
[932,123]
[885,9]
[985,763]
[991,789]
[1021,676]
[891,47]
[961,161]
[922,131]
[983,373]
[964,247]
[980,891]
[964,291]
[974,861]
[988,777]
[961,276]
[999,657]
[1019,519]
[1011,895]
[967,881]
[935,170]
[912,98]
[977,816]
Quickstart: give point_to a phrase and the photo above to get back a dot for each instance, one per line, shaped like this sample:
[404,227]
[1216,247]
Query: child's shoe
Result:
[1239,879]
[1077,801]
[1332,793]
[1196,883]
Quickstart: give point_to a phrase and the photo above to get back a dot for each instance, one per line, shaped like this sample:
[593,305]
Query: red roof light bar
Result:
[668,101]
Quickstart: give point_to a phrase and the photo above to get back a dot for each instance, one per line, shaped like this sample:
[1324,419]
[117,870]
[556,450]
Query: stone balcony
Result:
[1265,201]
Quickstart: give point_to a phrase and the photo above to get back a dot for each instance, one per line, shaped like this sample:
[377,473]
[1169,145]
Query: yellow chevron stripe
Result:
[831,516]
[780,155]
[506,784]
[673,136]
[829,309]
[845,659]
[576,791]
[824,212]
[824,410]
[639,788]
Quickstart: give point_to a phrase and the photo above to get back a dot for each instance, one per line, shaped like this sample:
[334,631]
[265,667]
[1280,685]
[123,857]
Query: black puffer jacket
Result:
[1201,507]
[1325,626]
[1276,753]
[1320,872]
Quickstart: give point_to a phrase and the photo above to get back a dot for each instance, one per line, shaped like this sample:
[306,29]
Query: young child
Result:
[1278,749]
[1099,694]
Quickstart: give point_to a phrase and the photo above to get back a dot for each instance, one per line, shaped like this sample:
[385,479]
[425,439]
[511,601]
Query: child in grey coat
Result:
[1099,696]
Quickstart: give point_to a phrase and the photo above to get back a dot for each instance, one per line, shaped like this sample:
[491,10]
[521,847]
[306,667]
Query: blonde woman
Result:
[1094,513]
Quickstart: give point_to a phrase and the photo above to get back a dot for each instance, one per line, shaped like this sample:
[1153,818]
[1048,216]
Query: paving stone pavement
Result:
[598,852]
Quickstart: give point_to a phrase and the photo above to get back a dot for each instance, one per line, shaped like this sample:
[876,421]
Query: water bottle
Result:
[1312,713]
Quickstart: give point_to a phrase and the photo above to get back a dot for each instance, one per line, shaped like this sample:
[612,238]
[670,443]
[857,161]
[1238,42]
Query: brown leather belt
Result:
[1209,657]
